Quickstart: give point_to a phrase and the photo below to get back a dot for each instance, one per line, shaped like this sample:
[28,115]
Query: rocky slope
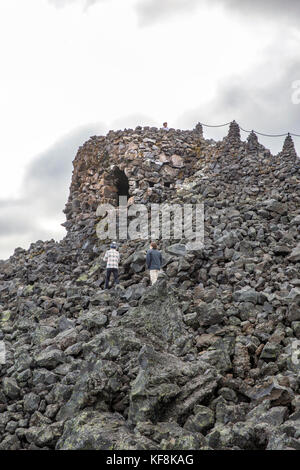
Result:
[207,358]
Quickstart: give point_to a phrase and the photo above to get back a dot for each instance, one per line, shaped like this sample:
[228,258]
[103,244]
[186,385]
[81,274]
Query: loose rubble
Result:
[208,357]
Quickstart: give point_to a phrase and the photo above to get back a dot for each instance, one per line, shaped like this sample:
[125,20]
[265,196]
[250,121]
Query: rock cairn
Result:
[232,142]
[288,147]
[252,142]
[199,129]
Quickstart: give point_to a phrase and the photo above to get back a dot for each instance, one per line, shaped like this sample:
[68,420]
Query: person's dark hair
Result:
[154,245]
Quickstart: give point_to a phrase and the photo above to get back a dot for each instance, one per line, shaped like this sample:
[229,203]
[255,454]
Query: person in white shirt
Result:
[112,258]
[165,126]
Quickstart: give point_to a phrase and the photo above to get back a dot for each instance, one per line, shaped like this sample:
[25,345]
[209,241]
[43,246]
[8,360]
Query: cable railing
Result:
[255,132]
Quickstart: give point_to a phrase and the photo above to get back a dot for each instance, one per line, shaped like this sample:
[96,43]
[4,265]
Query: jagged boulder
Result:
[92,430]
[166,387]
[158,320]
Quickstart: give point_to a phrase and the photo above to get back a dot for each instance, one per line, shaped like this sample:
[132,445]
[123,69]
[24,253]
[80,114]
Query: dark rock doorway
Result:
[121,182]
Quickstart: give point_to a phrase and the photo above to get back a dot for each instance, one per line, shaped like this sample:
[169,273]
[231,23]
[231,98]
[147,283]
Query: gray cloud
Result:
[265,108]
[44,194]
[151,11]
[9,224]
[270,7]
[48,176]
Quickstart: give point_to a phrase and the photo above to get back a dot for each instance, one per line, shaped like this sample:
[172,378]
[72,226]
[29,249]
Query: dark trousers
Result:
[110,271]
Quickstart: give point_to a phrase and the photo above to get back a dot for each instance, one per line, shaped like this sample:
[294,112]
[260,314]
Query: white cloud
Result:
[86,4]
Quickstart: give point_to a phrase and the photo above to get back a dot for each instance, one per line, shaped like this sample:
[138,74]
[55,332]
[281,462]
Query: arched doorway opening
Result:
[121,182]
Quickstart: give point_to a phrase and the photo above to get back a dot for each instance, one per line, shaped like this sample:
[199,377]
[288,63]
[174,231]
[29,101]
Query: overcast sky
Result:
[75,68]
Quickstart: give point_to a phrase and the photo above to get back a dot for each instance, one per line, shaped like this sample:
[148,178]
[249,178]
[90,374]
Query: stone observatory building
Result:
[149,165]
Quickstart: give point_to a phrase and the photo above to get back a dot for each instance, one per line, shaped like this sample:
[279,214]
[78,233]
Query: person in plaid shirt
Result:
[112,258]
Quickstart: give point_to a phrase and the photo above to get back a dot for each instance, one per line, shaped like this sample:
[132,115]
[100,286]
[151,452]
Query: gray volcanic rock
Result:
[166,387]
[92,430]
[295,255]
[209,356]
[11,388]
[158,320]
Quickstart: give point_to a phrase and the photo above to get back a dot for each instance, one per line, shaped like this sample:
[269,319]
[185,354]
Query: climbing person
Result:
[154,262]
[112,258]
[165,126]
